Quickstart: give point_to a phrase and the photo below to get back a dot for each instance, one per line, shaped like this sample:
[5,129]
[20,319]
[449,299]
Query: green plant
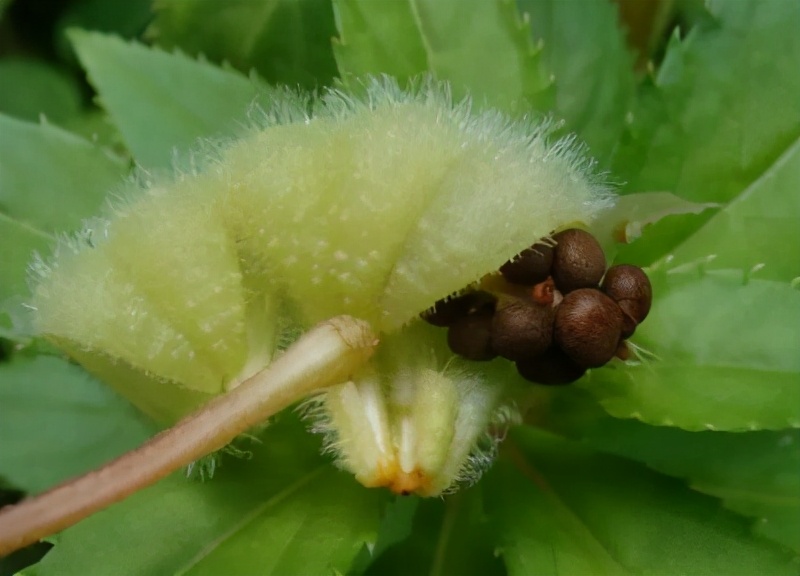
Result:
[713,416]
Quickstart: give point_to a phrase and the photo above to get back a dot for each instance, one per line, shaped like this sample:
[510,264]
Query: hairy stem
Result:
[326,355]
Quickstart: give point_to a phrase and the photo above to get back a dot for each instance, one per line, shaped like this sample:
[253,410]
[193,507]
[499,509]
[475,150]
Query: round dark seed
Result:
[530,267]
[554,368]
[470,336]
[522,329]
[578,260]
[445,312]
[629,287]
[588,327]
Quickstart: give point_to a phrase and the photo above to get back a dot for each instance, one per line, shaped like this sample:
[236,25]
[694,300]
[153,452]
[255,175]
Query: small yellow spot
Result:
[390,475]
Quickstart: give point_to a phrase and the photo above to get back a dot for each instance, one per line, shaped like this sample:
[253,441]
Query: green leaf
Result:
[725,351]
[584,48]
[287,41]
[631,214]
[563,509]
[95,126]
[49,181]
[450,536]
[720,112]
[378,39]
[485,51]
[39,89]
[757,229]
[127,19]
[57,422]
[20,241]
[727,342]
[396,526]
[756,474]
[285,511]
[162,101]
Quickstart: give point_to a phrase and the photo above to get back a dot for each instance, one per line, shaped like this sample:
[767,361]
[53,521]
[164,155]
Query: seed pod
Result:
[578,260]
[374,205]
[469,336]
[530,267]
[588,327]
[630,288]
[522,330]
[554,368]
[446,312]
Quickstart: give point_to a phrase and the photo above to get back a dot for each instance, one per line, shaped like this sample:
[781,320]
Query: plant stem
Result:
[327,354]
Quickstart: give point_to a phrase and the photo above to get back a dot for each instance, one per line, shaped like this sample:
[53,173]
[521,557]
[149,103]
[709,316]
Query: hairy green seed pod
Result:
[375,206]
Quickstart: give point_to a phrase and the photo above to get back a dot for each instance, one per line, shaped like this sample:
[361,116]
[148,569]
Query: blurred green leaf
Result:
[127,19]
[758,228]
[485,50]
[756,474]
[39,89]
[450,536]
[162,101]
[20,241]
[562,509]
[287,41]
[631,214]
[721,110]
[585,50]
[725,351]
[395,527]
[56,422]
[50,180]
[286,511]
[378,39]
[95,126]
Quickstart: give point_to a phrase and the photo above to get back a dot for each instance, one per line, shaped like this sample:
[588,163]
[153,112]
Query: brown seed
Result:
[578,260]
[629,287]
[554,368]
[445,312]
[469,336]
[588,327]
[522,329]
[530,267]
[628,323]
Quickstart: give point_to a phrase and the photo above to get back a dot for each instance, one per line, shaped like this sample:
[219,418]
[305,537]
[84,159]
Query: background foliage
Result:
[687,463]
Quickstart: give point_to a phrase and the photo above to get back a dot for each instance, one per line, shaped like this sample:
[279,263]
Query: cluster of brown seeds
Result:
[554,310]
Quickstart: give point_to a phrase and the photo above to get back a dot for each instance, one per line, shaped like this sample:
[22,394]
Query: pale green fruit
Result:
[374,206]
